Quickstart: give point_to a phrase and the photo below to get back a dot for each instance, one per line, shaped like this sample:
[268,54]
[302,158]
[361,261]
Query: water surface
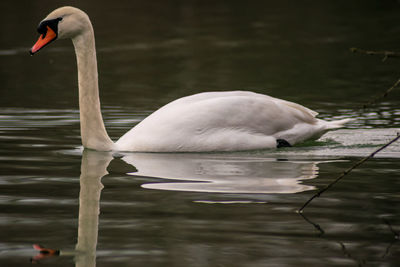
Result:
[204,209]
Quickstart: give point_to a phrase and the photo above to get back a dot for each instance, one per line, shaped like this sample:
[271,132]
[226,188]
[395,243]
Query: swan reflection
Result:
[223,173]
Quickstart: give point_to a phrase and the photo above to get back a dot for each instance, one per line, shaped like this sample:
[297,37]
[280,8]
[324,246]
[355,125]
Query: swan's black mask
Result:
[49,31]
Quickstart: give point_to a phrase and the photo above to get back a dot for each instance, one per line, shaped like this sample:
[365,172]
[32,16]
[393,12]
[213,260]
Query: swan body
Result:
[212,121]
[223,121]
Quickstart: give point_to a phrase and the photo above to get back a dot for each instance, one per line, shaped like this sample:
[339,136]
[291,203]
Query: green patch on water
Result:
[315,143]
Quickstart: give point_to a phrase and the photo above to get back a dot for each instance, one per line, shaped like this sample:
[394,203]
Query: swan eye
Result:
[48,30]
[52,23]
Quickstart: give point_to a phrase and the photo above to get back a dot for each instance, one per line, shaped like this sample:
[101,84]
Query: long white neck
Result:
[93,131]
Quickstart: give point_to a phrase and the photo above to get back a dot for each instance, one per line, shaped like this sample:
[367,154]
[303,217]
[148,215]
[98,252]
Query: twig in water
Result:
[385,54]
[396,238]
[360,262]
[316,225]
[319,193]
[396,234]
[373,101]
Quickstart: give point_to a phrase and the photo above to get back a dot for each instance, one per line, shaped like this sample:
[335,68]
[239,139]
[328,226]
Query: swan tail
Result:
[337,124]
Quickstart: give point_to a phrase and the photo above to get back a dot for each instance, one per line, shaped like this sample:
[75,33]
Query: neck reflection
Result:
[93,168]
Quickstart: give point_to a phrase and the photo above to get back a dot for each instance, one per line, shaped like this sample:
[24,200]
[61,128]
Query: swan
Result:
[210,121]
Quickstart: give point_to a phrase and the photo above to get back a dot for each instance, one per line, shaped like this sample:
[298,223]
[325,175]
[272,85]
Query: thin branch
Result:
[396,234]
[321,231]
[396,238]
[376,99]
[316,225]
[319,193]
[385,54]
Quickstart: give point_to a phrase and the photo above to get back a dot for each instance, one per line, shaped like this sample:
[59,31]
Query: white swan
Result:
[213,121]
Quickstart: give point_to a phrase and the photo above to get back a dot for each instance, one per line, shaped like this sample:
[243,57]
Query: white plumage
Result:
[224,121]
[212,121]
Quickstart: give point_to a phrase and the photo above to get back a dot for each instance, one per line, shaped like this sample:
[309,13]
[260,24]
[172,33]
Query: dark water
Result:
[219,209]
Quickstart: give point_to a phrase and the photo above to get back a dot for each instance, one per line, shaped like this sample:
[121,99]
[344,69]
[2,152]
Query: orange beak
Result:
[43,40]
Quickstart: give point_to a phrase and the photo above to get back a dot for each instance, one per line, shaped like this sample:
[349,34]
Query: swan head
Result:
[64,22]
